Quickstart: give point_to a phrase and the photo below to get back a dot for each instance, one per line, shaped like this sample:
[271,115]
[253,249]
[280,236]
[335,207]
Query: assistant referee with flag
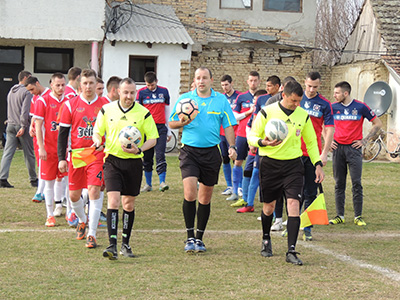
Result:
[123,166]
[281,168]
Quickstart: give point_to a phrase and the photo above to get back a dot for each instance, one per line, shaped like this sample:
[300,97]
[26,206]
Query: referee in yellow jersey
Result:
[123,166]
[281,168]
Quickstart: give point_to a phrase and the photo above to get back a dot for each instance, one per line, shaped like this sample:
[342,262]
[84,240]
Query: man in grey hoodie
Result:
[18,101]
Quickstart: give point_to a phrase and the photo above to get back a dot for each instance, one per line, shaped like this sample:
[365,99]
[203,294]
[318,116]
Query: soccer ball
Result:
[276,129]
[187,109]
[129,135]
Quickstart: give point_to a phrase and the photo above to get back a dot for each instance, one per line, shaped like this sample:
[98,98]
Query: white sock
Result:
[40,188]
[94,215]
[49,196]
[85,196]
[79,210]
[58,193]
[278,220]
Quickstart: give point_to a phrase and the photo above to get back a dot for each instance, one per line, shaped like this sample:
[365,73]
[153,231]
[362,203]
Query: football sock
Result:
[254,183]
[128,219]
[203,213]
[293,226]
[85,196]
[79,210]
[245,183]
[189,214]
[112,225]
[58,192]
[162,176]
[94,215]
[266,222]
[227,173]
[279,208]
[49,196]
[237,175]
[40,189]
[148,176]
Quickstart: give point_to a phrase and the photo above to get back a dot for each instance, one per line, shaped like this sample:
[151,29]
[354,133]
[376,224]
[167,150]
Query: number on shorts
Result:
[100,175]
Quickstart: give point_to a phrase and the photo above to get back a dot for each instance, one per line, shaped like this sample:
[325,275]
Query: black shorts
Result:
[203,163]
[123,175]
[281,176]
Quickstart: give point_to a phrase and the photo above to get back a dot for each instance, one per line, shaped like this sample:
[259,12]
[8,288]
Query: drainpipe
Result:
[94,64]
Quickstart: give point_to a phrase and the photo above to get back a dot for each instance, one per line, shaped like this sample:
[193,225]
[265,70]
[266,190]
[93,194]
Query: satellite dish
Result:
[379,97]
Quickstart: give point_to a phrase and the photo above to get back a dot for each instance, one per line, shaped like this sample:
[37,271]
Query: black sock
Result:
[293,225]
[128,218]
[203,213]
[266,222]
[189,214]
[112,225]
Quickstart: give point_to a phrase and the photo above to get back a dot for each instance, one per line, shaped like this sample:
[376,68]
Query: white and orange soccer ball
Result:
[130,135]
[276,129]
[187,109]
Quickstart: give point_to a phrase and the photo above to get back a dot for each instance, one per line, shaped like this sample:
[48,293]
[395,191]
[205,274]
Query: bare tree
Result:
[335,20]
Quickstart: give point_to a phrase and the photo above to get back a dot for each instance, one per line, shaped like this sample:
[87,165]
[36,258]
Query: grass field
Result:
[342,262]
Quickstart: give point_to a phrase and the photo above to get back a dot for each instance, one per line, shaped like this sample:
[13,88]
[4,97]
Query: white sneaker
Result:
[277,226]
[233,197]
[259,219]
[284,223]
[228,191]
[146,188]
[58,211]
[240,192]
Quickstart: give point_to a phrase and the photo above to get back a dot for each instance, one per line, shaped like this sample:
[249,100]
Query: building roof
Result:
[148,23]
[387,14]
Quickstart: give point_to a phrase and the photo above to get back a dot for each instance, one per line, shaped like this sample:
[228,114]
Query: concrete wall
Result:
[73,20]
[82,53]
[169,58]
[300,26]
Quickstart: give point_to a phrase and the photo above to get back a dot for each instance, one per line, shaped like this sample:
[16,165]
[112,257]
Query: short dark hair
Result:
[204,69]
[127,80]
[293,87]
[226,78]
[150,77]
[344,85]
[57,75]
[113,82]
[31,80]
[23,74]
[260,92]
[99,80]
[287,79]
[88,73]
[313,76]
[254,73]
[74,72]
[275,80]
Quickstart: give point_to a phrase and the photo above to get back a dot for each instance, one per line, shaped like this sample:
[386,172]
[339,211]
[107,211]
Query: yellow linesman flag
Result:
[316,213]
[82,157]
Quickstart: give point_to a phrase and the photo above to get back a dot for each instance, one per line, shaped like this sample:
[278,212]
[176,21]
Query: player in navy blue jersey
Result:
[156,99]
[231,94]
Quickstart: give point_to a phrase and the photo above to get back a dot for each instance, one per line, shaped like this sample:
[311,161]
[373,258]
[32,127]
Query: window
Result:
[139,65]
[244,4]
[11,55]
[51,60]
[283,5]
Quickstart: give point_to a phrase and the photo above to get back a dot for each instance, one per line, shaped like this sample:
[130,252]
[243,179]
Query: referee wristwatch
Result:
[140,151]
[319,163]
[233,147]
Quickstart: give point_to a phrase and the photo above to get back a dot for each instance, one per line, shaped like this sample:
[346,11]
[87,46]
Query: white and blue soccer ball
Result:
[276,129]
[130,135]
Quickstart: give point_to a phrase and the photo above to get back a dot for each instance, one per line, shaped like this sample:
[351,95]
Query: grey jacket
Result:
[19,104]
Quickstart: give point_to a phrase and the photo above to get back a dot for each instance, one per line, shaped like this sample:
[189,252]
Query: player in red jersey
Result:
[37,90]
[46,111]
[74,75]
[78,118]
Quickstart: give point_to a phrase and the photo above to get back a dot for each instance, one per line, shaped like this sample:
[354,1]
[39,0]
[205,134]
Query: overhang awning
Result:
[148,23]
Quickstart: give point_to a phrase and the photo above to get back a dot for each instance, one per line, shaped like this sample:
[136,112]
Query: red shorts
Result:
[89,175]
[49,168]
